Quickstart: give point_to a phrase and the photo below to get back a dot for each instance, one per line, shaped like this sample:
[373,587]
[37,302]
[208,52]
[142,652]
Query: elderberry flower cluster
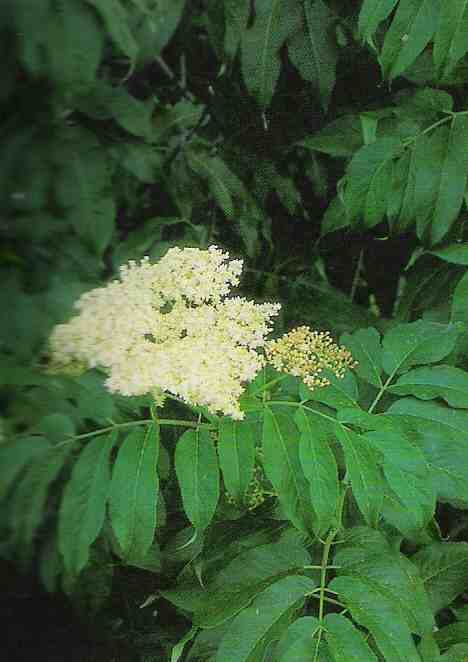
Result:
[306,353]
[168,327]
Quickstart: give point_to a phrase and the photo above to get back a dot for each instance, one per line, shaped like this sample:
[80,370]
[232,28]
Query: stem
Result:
[450,116]
[288,403]
[357,273]
[144,421]
[323,575]
[323,579]
[380,393]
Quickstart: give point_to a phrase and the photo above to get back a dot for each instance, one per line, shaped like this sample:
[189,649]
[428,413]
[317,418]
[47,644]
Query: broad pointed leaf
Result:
[196,466]
[444,569]
[251,632]
[413,26]
[342,137]
[364,194]
[297,643]
[313,51]
[441,381]
[346,642]
[453,177]
[366,349]
[134,492]
[363,473]
[450,41]
[261,43]
[454,253]
[283,468]
[319,466]
[372,13]
[381,615]
[407,345]
[236,450]
[30,496]
[116,20]
[83,505]
[236,16]
[441,433]
[247,575]
[15,456]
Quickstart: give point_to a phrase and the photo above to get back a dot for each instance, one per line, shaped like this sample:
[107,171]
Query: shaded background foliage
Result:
[323,142]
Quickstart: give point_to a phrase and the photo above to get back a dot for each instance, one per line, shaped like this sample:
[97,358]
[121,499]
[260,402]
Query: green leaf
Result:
[247,575]
[131,114]
[222,181]
[297,643]
[236,16]
[83,188]
[341,392]
[73,47]
[367,554]
[428,649]
[406,345]
[116,20]
[196,466]
[236,450]
[15,456]
[83,506]
[313,51]
[342,137]
[412,28]
[335,217]
[455,633]
[407,474]
[283,468]
[50,564]
[440,432]
[444,569]
[364,345]
[30,496]
[450,42]
[261,43]
[460,297]
[346,643]
[450,188]
[442,381]
[457,653]
[155,30]
[363,473]
[367,180]
[55,427]
[380,614]
[319,467]
[251,632]
[412,104]
[454,253]
[372,13]
[134,492]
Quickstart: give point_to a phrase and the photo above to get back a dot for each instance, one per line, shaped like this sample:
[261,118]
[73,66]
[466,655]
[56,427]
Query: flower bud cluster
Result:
[306,353]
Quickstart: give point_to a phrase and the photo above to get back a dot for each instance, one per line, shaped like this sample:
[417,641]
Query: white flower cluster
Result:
[168,327]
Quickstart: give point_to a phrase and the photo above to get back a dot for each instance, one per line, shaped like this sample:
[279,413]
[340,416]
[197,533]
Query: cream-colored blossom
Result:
[306,353]
[168,327]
